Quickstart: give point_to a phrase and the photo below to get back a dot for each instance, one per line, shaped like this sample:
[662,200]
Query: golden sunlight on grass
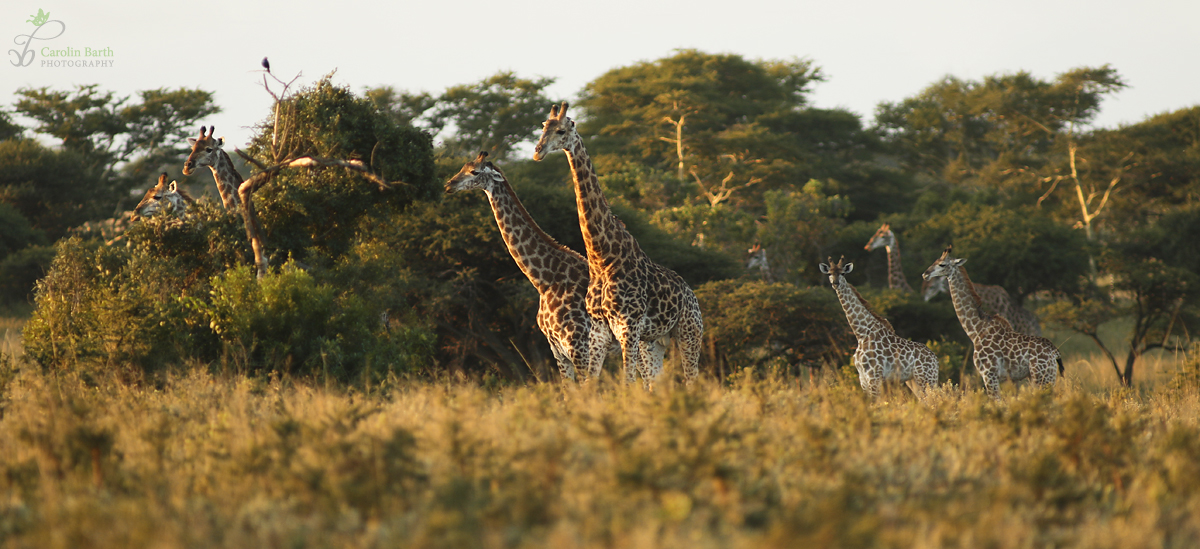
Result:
[205,461]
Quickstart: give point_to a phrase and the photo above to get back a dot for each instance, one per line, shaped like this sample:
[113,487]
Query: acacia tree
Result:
[495,114]
[121,140]
[697,115]
[1013,132]
[704,140]
[1155,284]
[310,130]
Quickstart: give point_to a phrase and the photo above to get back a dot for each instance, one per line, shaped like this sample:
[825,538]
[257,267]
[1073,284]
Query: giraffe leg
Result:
[648,366]
[655,351]
[688,336]
[600,339]
[566,368]
[925,375]
[990,373]
[630,350]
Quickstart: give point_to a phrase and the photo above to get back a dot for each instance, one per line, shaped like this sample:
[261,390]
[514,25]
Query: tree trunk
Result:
[1127,375]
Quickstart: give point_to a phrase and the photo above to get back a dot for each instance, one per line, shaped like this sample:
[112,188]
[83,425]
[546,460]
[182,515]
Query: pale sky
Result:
[870,50]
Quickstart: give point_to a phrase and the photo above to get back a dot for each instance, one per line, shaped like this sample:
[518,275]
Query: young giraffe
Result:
[881,354]
[559,274]
[997,299]
[163,197]
[642,302]
[885,238]
[1000,352]
[206,151]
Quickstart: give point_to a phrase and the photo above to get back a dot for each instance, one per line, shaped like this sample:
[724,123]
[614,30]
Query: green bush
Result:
[288,322]
[772,326]
[106,308]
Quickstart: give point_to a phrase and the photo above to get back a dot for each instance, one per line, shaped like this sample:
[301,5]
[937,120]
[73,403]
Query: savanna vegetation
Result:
[383,381]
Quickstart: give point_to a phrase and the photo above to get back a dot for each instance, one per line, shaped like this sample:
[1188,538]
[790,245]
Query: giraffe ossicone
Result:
[881,354]
[644,304]
[560,275]
[1000,352]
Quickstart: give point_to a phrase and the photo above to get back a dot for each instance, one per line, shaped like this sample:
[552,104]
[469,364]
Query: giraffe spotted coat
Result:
[1000,352]
[644,304]
[881,355]
[997,300]
[559,274]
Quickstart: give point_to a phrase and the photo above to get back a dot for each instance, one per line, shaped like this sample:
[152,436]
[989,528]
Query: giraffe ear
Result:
[192,141]
[173,186]
[824,268]
[960,262]
[220,142]
[849,267]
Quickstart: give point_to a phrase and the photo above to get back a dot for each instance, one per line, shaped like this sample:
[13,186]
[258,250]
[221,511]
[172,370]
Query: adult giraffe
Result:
[206,151]
[642,302]
[559,274]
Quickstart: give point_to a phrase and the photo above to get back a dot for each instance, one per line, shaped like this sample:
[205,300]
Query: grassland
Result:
[203,460]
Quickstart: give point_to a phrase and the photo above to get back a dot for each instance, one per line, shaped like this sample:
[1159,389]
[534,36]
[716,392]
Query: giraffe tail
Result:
[1060,366]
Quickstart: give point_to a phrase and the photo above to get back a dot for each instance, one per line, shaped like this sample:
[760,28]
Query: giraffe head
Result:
[943,266]
[476,174]
[882,238]
[932,287]
[204,150]
[836,271]
[558,133]
[163,197]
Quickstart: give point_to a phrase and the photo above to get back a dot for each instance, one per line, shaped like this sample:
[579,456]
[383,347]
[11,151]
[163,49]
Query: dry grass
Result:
[205,461]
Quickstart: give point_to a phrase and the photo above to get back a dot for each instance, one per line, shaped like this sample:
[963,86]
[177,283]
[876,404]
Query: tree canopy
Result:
[703,157]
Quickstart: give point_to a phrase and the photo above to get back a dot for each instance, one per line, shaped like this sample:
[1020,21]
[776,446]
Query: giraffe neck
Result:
[966,305]
[896,280]
[227,178]
[863,321]
[538,255]
[604,235]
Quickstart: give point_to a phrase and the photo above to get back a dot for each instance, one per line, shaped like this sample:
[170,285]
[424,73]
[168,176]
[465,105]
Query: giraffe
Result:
[994,297]
[885,238]
[997,299]
[758,260]
[642,302]
[163,197]
[560,275]
[1000,352]
[206,151]
[881,354]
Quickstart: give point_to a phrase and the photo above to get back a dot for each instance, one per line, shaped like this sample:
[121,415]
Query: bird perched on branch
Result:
[266,64]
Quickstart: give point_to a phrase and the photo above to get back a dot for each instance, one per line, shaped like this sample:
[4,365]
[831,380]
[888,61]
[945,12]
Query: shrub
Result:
[288,322]
[755,324]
